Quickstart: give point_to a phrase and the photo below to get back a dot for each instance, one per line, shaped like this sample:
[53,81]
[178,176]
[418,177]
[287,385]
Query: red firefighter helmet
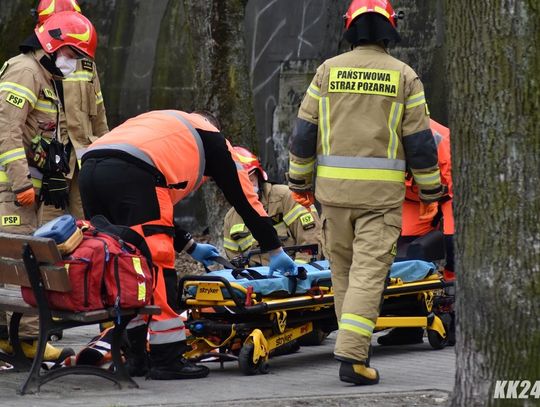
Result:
[47,8]
[359,7]
[68,28]
[250,162]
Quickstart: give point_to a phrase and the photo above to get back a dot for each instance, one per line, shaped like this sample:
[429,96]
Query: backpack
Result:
[107,269]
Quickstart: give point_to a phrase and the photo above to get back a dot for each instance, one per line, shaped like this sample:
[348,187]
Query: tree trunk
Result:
[494,73]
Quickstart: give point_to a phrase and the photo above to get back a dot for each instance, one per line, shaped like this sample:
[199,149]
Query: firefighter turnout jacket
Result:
[29,107]
[84,120]
[362,158]
[294,224]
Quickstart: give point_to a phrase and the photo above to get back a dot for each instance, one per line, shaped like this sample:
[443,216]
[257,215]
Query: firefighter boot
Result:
[137,357]
[402,336]
[29,347]
[167,363]
[358,373]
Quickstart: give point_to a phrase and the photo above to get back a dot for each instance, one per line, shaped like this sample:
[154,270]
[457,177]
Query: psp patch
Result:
[11,220]
[15,100]
[87,65]
[364,81]
[307,221]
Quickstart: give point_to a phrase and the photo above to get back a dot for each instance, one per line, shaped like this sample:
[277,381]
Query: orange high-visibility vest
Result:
[166,140]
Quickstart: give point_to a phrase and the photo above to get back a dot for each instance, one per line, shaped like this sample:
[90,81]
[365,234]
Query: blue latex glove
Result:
[282,263]
[204,253]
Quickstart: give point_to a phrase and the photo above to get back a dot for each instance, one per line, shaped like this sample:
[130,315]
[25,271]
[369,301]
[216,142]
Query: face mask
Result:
[65,64]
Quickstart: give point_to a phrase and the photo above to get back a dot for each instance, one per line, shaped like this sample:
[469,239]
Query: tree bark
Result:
[494,73]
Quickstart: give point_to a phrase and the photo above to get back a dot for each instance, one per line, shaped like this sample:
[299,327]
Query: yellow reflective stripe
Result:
[415,100]
[357,324]
[36,183]
[19,90]
[80,76]
[230,244]
[237,228]
[301,168]
[361,174]
[246,242]
[99,98]
[294,213]
[45,106]
[3,176]
[361,10]
[314,92]
[324,118]
[12,155]
[430,178]
[396,111]
[141,285]
[382,11]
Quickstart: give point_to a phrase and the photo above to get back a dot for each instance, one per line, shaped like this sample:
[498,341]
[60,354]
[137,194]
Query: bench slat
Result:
[55,278]
[45,250]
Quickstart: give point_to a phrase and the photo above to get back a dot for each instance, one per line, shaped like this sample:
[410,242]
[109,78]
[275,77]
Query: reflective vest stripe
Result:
[415,100]
[340,161]
[314,92]
[246,242]
[301,168]
[128,148]
[196,136]
[230,244]
[429,178]
[80,76]
[99,98]
[19,90]
[293,214]
[158,338]
[394,118]
[3,176]
[12,155]
[324,120]
[360,174]
[45,106]
[357,324]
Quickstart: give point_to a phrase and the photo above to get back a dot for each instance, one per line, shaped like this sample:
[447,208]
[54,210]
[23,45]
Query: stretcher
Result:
[248,315]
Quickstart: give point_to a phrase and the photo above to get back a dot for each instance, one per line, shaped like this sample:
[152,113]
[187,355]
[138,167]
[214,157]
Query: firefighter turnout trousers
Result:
[360,245]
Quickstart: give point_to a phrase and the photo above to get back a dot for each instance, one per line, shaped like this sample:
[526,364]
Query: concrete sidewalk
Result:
[410,375]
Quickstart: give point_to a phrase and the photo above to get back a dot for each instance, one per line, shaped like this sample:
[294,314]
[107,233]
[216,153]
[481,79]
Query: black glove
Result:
[54,190]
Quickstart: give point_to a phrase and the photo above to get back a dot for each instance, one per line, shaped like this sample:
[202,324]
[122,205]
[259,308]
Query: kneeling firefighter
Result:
[134,175]
[294,224]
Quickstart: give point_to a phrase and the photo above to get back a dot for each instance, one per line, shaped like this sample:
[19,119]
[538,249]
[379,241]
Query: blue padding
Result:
[412,270]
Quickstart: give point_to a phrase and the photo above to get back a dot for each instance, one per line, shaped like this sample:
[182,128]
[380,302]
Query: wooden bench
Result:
[28,261]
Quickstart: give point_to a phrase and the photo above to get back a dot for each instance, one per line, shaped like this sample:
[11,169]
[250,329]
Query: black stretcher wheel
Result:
[245,361]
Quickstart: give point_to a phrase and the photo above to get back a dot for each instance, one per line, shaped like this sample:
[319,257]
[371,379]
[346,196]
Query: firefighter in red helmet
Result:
[294,224]
[30,105]
[363,121]
[83,118]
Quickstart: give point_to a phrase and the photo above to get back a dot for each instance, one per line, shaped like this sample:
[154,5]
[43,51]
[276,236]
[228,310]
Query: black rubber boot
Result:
[358,373]
[402,336]
[167,363]
[137,357]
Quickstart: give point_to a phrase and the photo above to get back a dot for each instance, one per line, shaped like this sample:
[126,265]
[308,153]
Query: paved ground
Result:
[410,376]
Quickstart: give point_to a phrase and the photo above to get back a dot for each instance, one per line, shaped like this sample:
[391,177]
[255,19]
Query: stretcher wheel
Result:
[437,341]
[245,361]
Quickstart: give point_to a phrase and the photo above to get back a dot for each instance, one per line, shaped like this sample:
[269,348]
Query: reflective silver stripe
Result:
[167,337]
[438,138]
[239,166]
[196,136]
[135,322]
[324,120]
[360,162]
[128,148]
[12,155]
[166,324]
[396,113]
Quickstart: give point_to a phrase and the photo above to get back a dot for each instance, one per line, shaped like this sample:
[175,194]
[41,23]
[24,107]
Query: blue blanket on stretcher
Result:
[318,273]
